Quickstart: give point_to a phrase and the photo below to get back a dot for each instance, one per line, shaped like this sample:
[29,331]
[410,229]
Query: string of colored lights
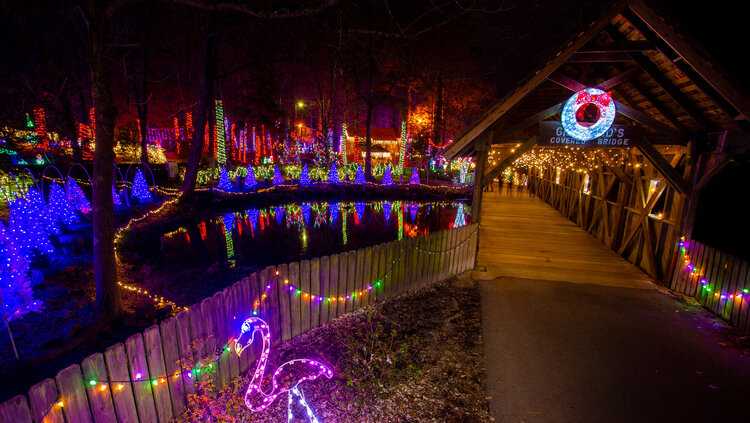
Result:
[221,155]
[103,385]
[706,286]
[375,284]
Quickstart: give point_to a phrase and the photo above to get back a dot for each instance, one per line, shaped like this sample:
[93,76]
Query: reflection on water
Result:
[259,237]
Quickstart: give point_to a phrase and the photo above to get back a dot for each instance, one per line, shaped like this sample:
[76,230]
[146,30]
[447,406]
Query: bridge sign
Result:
[552,133]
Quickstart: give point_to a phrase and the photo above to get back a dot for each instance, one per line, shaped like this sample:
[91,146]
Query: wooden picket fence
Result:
[719,281]
[149,376]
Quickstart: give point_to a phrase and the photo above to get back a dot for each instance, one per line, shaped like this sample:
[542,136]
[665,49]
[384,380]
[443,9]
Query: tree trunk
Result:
[72,126]
[201,114]
[108,302]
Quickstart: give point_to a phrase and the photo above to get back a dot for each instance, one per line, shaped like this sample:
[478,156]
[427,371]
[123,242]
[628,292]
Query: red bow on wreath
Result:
[584,97]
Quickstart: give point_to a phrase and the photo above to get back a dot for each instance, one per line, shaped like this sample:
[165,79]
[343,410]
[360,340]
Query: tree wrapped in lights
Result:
[402,148]
[16,294]
[59,207]
[333,174]
[387,176]
[116,200]
[359,177]
[342,147]
[250,182]
[140,190]
[30,224]
[414,179]
[76,196]
[221,146]
[278,178]
[304,176]
[224,183]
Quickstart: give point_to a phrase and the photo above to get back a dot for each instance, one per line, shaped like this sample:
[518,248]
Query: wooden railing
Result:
[634,213]
[149,376]
[719,281]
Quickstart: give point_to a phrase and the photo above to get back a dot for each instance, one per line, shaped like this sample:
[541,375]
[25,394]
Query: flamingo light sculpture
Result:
[286,378]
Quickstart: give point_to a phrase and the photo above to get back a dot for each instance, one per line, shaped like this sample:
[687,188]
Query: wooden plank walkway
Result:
[573,333]
[523,237]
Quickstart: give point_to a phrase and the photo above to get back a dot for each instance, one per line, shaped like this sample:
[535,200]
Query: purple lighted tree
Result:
[278,178]
[140,190]
[387,176]
[250,182]
[359,177]
[116,200]
[224,183]
[333,174]
[414,179]
[304,176]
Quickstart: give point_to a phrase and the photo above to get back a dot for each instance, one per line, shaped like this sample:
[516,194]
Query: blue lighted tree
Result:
[16,294]
[29,224]
[116,200]
[333,209]
[387,176]
[224,183]
[76,196]
[306,213]
[333,174]
[59,207]
[386,211]
[414,180]
[250,182]
[278,178]
[140,190]
[304,176]
[359,177]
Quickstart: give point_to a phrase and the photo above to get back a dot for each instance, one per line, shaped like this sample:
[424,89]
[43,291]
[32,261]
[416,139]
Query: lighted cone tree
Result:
[224,183]
[58,206]
[76,196]
[278,178]
[28,224]
[414,179]
[387,176]
[304,176]
[250,182]
[333,174]
[16,294]
[359,177]
[116,200]
[140,190]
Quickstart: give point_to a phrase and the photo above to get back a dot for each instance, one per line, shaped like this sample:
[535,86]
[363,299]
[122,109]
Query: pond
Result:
[194,260]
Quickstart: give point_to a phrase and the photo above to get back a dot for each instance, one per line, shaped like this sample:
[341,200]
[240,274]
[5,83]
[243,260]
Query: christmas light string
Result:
[706,285]
[375,284]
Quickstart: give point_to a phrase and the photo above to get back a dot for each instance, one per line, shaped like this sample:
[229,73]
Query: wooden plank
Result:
[15,410]
[123,391]
[294,299]
[208,366]
[334,282]
[359,281]
[171,351]
[316,302]
[388,274]
[285,306]
[219,301]
[304,299]
[99,393]
[139,374]
[375,273]
[325,289]
[744,321]
[233,324]
[351,282]
[184,347]
[43,398]
[73,395]
[243,309]
[343,282]
[155,361]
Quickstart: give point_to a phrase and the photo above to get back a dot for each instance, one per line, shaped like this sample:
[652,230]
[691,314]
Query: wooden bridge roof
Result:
[665,82]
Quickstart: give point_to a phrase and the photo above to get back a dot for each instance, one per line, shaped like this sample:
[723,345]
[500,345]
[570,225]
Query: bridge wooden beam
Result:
[661,164]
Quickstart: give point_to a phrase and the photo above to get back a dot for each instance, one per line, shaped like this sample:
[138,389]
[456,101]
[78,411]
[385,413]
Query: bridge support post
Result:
[482,149]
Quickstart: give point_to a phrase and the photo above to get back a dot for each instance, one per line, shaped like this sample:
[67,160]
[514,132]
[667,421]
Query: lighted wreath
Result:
[588,114]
